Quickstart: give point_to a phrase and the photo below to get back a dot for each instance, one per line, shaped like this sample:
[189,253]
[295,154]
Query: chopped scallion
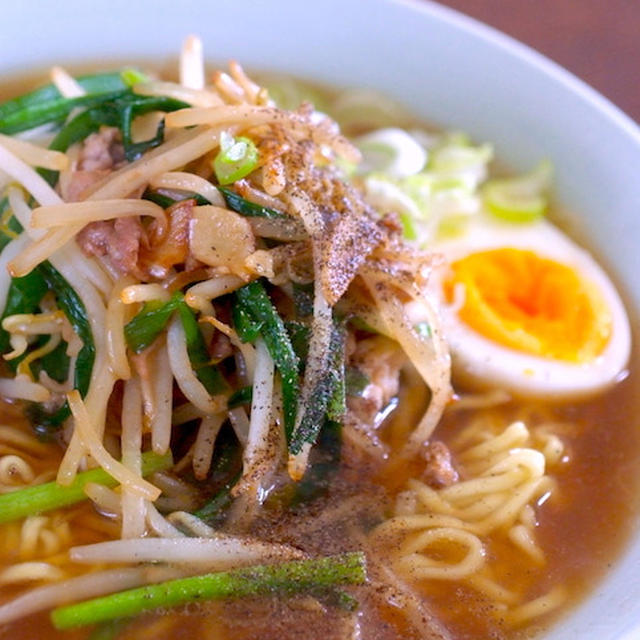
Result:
[131,76]
[408,226]
[522,199]
[237,158]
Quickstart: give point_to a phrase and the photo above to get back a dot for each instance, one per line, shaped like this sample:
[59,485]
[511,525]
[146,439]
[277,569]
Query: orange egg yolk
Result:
[532,304]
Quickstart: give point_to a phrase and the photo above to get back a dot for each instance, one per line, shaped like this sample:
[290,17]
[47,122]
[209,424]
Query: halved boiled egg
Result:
[525,309]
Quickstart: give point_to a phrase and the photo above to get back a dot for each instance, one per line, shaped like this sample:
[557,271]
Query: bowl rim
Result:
[555,74]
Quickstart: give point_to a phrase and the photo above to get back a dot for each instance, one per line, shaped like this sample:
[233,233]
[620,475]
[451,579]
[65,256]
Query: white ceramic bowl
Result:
[450,69]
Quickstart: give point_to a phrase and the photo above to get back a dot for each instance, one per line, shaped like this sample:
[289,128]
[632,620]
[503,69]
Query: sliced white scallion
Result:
[386,195]
[461,162]
[522,199]
[392,151]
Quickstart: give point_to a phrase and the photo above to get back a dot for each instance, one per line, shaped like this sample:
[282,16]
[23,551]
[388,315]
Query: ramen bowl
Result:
[448,69]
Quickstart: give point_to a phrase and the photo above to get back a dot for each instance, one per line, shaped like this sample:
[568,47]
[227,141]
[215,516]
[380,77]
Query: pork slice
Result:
[171,248]
[124,250]
[118,239]
[439,471]
[95,238]
[145,254]
[74,188]
[100,153]
[220,347]
[102,150]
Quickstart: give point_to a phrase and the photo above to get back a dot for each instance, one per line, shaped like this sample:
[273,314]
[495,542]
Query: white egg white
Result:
[482,363]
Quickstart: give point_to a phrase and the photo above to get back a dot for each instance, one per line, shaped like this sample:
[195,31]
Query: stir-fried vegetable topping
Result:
[192,293]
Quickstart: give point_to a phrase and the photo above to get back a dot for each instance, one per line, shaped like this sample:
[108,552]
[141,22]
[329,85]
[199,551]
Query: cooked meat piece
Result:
[439,471]
[380,359]
[124,252]
[99,155]
[164,251]
[94,238]
[220,347]
[118,239]
[73,189]
[101,150]
[145,253]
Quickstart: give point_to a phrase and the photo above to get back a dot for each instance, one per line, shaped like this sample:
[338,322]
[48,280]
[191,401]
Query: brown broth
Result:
[582,531]
[584,528]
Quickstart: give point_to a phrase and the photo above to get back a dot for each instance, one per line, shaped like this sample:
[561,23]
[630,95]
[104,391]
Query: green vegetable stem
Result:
[46,497]
[289,578]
